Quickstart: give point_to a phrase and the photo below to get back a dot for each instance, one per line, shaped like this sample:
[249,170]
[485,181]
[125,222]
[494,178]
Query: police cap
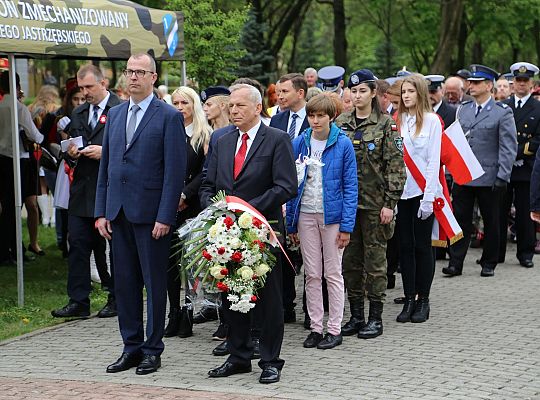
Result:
[360,76]
[402,73]
[330,77]
[434,81]
[481,73]
[464,73]
[524,70]
[214,91]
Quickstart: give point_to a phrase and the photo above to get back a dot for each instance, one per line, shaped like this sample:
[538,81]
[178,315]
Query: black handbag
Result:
[48,161]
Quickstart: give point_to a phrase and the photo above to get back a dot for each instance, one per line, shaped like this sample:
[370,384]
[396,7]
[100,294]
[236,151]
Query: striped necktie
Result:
[93,121]
[292,128]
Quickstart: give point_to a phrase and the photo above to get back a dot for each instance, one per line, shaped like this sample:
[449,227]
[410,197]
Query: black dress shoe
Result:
[451,271]
[228,369]
[221,349]
[270,375]
[399,300]
[526,263]
[71,310]
[330,341]
[109,310]
[205,314]
[289,316]
[487,271]
[256,349]
[313,340]
[125,362]
[149,364]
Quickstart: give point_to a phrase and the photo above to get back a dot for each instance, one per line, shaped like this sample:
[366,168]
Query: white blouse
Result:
[425,150]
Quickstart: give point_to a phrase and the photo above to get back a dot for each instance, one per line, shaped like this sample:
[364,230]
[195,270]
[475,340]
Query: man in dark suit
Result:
[141,177]
[293,121]
[527,116]
[255,163]
[87,121]
[436,97]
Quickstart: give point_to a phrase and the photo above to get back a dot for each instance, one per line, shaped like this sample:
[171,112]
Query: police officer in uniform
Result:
[381,176]
[331,79]
[491,132]
[527,117]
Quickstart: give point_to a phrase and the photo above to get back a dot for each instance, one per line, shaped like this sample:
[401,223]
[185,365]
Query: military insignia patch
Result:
[398,142]
[394,127]
[203,95]
[354,79]
[522,69]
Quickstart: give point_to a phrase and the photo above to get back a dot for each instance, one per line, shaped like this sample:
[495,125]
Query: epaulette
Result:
[466,102]
[503,105]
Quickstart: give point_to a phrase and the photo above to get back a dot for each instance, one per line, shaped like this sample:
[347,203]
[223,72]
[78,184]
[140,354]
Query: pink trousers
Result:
[314,236]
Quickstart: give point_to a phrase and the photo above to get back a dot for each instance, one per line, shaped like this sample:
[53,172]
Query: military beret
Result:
[360,76]
[434,81]
[214,91]
[481,73]
[330,77]
[524,70]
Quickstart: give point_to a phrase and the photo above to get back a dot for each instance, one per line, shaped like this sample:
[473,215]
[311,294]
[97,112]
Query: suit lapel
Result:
[484,113]
[523,112]
[122,118]
[150,111]
[229,144]
[101,125]
[84,115]
[259,137]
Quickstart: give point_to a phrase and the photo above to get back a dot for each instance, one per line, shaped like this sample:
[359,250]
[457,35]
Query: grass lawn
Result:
[44,289]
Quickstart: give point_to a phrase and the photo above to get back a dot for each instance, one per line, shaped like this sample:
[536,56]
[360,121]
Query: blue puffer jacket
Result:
[340,182]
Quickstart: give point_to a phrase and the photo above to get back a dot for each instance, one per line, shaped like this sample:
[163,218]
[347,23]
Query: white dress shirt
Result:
[523,100]
[299,120]
[251,133]
[143,104]
[101,106]
[437,106]
[425,147]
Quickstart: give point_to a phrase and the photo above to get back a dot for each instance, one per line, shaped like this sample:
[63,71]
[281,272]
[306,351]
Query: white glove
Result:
[425,209]
[62,123]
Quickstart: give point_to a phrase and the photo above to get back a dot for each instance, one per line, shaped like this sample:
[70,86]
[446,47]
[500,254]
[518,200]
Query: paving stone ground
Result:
[482,341]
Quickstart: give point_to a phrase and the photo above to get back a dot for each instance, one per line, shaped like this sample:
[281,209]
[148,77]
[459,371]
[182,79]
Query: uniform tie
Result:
[93,121]
[519,104]
[132,124]
[240,157]
[292,128]
[478,109]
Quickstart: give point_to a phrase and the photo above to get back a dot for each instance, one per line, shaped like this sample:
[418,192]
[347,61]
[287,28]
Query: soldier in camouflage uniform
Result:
[381,176]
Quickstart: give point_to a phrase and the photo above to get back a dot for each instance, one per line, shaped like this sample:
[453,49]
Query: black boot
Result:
[421,313]
[186,321]
[174,323]
[408,309]
[374,326]
[357,321]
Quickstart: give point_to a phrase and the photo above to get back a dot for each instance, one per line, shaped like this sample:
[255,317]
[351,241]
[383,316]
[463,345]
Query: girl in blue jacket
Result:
[323,214]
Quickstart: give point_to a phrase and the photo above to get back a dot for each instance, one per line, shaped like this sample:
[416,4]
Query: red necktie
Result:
[240,156]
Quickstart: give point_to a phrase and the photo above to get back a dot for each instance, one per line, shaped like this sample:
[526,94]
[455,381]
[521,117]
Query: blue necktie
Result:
[132,124]
[292,128]
[93,121]
[478,109]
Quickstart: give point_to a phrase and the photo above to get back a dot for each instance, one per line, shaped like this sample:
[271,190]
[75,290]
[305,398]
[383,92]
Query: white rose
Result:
[246,273]
[215,271]
[236,243]
[262,269]
[244,221]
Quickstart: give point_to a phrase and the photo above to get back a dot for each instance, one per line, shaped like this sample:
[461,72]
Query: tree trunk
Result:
[462,43]
[451,14]
[340,39]
[477,52]
[536,33]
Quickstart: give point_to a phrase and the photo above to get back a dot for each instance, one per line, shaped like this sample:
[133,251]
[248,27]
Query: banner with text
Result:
[90,29]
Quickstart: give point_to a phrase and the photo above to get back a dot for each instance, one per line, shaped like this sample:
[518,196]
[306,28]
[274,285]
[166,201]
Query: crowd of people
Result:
[353,171]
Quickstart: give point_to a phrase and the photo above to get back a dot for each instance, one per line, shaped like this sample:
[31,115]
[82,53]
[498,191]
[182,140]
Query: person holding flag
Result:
[421,130]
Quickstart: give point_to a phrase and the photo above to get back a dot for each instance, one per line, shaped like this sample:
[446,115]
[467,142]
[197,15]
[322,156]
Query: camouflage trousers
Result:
[364,260]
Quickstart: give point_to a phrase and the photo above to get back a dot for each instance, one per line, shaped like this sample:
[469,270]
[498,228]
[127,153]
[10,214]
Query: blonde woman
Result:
[186,101]
[216,106]
[421,131]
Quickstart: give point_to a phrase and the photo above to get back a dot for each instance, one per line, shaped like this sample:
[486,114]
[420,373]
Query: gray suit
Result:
[492,137]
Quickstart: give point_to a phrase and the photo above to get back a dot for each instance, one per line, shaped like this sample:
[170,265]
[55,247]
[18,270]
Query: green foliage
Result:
[212,40]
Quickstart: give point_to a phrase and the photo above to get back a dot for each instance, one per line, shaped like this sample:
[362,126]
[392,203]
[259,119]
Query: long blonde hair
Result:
[201,129]
[422,100]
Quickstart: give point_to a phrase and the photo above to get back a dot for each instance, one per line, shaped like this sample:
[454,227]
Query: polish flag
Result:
[457,156]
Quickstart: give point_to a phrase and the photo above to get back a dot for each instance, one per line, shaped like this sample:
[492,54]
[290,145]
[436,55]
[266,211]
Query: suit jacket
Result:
[146,179]
[492,137]
[194,170]
[447,112]
[528,136]
[82,196]
[281,121]
[268,176]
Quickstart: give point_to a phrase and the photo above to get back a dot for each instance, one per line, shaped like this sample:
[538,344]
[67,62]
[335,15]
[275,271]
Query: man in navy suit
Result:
[255,163]
[140,180]
[293,121]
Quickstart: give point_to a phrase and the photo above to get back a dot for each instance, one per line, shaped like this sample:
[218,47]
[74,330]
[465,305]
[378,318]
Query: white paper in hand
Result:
[77,142]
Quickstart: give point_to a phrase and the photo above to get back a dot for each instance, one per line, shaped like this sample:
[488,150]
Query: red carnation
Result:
[206,255]
[224,271]
[236,257]
[103,119]
[228,221]
[261,244]
[222,287]
[254,298]
[221,250]
[257,222]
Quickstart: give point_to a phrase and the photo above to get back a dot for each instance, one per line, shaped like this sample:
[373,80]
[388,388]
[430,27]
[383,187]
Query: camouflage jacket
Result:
[379,156]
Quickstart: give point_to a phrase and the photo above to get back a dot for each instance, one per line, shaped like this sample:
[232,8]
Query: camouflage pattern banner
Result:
[110,29]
